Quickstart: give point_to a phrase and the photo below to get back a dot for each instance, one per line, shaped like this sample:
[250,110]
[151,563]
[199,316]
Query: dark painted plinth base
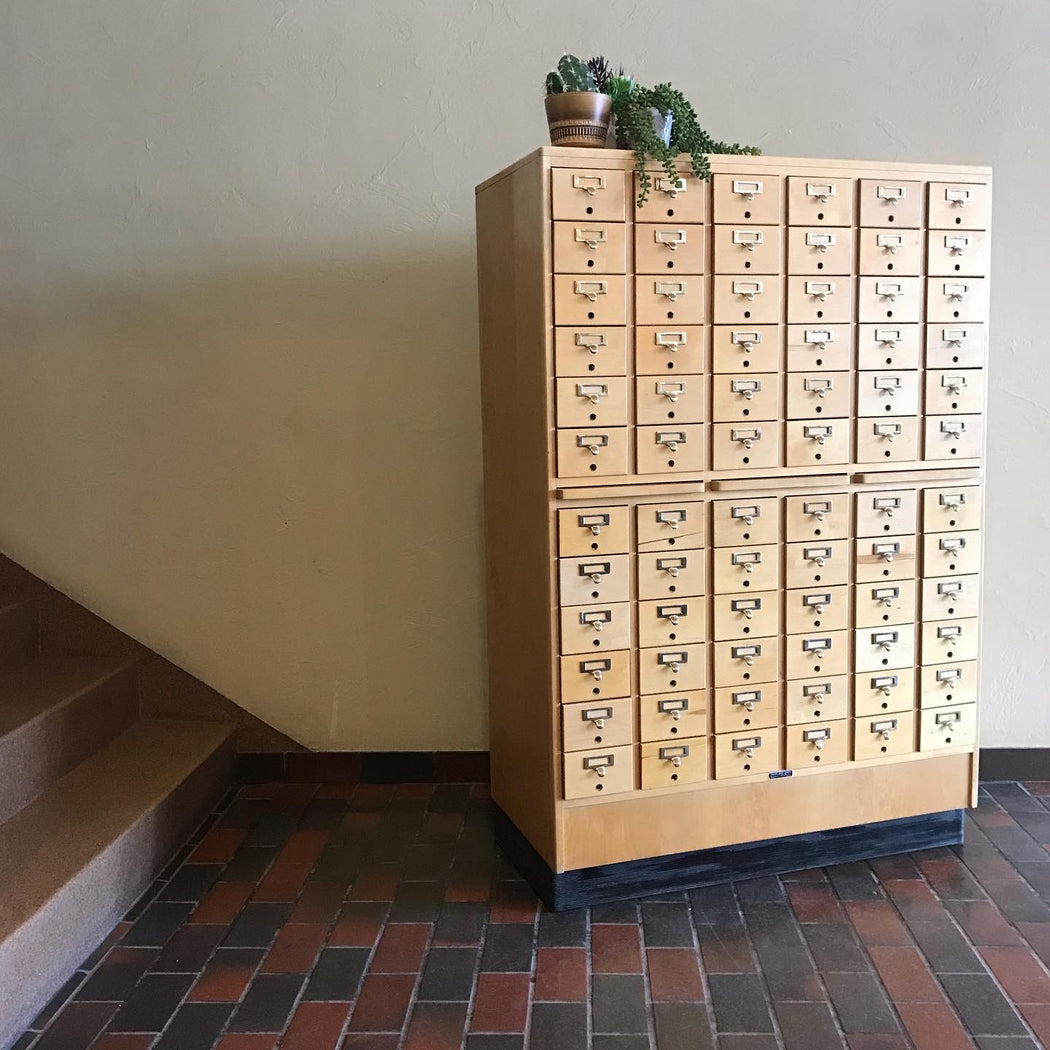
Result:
[561,891]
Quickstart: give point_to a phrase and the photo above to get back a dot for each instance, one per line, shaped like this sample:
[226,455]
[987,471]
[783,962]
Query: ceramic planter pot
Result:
[579,118]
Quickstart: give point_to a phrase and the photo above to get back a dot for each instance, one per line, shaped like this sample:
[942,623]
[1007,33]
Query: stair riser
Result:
[19,634]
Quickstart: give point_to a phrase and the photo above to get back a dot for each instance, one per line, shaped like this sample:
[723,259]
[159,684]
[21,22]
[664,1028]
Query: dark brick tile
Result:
[1017,900]
[58,1000]
[983,923]
[674,975]
[448,974]
[319,903]
[1009,1042]
[985,862]
[1013,797]
[618,911]
[157,924]
[283,882]
[195,1026]
[860,1003]
[273,828]
[905,975]
[618,1003]
[337,975]
[295,948]
[417,902]
[951,880]
[786,965]
[189,949]
[508,948]
[501,1002]
[76,1027]
[621,1042]
[1019,972]
[863,1041]
[748,1042]
[739,1003]
[682,1026]
[1037,876]
[835,948]
[118,974]
[383,1003]
[667,925]
[154,1000]
[763,889]
[111,939]
[814,902]
[563,929]
[504,1041]
[615,948]
[561,974]
[359,924]
[461,923]
[316,1026]
[219,846]
[257,926]
[1037,934]
[561,1025]
[428,861]
[807,1026]
[401,948]
[191,882]
[23,1041]
[945,948]
[877,922]
[934,1026]
[223,903]
[1038,1018]
[268,1003]
[227,975]
[914,899]
[514,902]
[899,866]
[854,882]
[981,1005]
[249,863]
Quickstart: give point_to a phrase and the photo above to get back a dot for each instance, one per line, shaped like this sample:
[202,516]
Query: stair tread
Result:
[45,844]
[46,682]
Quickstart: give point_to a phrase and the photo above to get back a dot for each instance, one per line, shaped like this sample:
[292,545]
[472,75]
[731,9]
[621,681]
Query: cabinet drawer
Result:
[885,558]
[753,568]
[745,521]
[595,628]
[813,394]
[817,608]
[812,442]
[955,345]
[584,402]
[743,661]
[884,735]
[595,351]
[668,668]
[751,348]
[945,640]
[747,249]
[897,252]
[884,648]
[823,562]
[892,440]
[601,771]
[671,622]
[818,653]
[950,597]
[819,300]
[607,724]
[811,699]
[957,253]
[672,448]
[953,437]
[740,709]
[958,206]
[890,202]
[955,508]
[601,452]
[671,249]
[816,199]
[887,393]
[674,574]
[671,526]
[666,763]
[954,390]
[825,348]
[823,743]
[952,726]
[876,692]
[890,603]
[590,247]
[739,300]
[747,198]
[580,193]
[882,299]
[669,399]
[595,677]
[593,531]
[816,251]
[879,513]
[599,578]
[745,395]
[948,684]
[581,300]
[683,199]
[738,445]
[955,553]
[889,346]
[956,299]
[663,350]
[824,516]
[746,615]
[742,754]
[669,715]
[669,300]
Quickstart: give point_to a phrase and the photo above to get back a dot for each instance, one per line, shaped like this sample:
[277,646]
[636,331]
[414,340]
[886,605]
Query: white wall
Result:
[238,413]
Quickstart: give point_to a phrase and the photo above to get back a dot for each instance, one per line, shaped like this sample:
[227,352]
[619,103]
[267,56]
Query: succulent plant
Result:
[572,74]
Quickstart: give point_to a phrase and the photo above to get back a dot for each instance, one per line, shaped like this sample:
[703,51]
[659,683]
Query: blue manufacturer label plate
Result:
[778,773]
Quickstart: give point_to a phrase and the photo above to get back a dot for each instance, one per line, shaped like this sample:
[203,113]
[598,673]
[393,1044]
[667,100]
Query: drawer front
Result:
[894,252]
[876,692]
[819,300]
[745,521]
[666,763]
[662,350]
[742,300]
[815,251]
[595,677]
[816,562]
[885,558]
[814,394]
[954,390]
[590,247]
[608,724]
[594,195]
[748,348]
[823,743]
[746,615]
[665,622]
[674,574]
[816,200]
[747,249]
[882,440]
[747,198]
[890,202]
[960,253]
[746,661]
[819,348]
[896,299]
[669,715]
[740,709]
[683,199]
[596,579]
[584,402]
[949,640]
[593,531]
[669,399]
[601,452]
[817,608]
[669,248]
[956,299]
[745,395]
[594,351]
[951,726]
[666,669]
[953,437]
[948,684]
[955,345]
[883,736]
[750,568]
[885,604]
[889,346]
[951,553]
[813,442]
[671,448]
[601,771]
[580,300]
[595,628]
[666,300]
[824,516]
[735,446]
[671,526]
[950,597]
[958,507]
[882,513]
[744,754]
[888,393]
[819,653]
[813,699]
[884,648]
[958,206]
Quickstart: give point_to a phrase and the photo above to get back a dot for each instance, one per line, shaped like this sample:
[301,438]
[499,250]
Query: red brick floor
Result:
[373,917]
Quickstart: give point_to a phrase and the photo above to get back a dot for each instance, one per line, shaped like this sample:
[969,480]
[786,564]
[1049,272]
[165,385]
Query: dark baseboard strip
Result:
[1015,763]
[363,767]
[562,891]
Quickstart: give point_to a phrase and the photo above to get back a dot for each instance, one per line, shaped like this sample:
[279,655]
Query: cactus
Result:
[572,75]
[554,84]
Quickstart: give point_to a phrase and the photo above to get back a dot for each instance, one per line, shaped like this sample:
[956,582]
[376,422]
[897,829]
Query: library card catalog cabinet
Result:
[733,439]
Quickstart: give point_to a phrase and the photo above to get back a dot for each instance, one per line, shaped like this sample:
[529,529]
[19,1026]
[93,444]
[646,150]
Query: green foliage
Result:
[554,84]
[619,87]
[572,74]
[602,72]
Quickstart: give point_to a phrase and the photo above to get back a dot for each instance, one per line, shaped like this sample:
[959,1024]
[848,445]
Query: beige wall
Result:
[237,338]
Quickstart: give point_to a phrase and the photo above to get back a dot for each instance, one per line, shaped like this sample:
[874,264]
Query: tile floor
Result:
[376,918]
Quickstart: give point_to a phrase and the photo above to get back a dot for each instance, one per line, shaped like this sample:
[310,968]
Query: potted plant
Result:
[577,112]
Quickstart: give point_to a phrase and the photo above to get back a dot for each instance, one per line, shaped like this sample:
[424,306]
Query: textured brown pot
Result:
[579,118]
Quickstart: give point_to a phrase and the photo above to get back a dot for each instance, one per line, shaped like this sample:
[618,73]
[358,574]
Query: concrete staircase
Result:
[94,797]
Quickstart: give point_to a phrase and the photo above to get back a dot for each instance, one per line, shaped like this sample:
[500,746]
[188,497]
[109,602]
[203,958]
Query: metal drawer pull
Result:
[955,292]
[673,661]
[885,640]
[746,514]
[890,241]
[891,194]
[818,337]
[949,675]
[672,391]
[946,719]
[953,544]
[591,289]
[819,555]
[886,551]
[674,755]
[672,187]
[817,602]
[746,340]
[671,438]
[955,336]
[674,708]
[671,341]
[672,566]
[888,336]
[748,700]
[821,190]
[674,518]
[954,384]
[817,690]
[748,437]
[821,241]
[884,727]
[817,646]
[747,387]
[819,434]
[889,431]
[673,613]
[747,239]
[888,384]
[591,341]
[885,595]
[595,668]
[592,238]
[819,385]
[818,508]
[747,744]
[596,618]
[597,715]
[957,195]
[591,184]
[885,683]
[594,443]
[670,238]
[592,392]
[816,737]
[594,522]
[747,560]
[747,606]
[891,290]
[596,570]
[671,289]
[747,188]
[886,504]
[956,244]
[820,290]
[950,631]
[950,589]
[599,763]
[747,653]
[748,289]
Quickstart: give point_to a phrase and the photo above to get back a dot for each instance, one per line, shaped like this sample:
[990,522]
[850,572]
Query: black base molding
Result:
[561,891]
[1015,763]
